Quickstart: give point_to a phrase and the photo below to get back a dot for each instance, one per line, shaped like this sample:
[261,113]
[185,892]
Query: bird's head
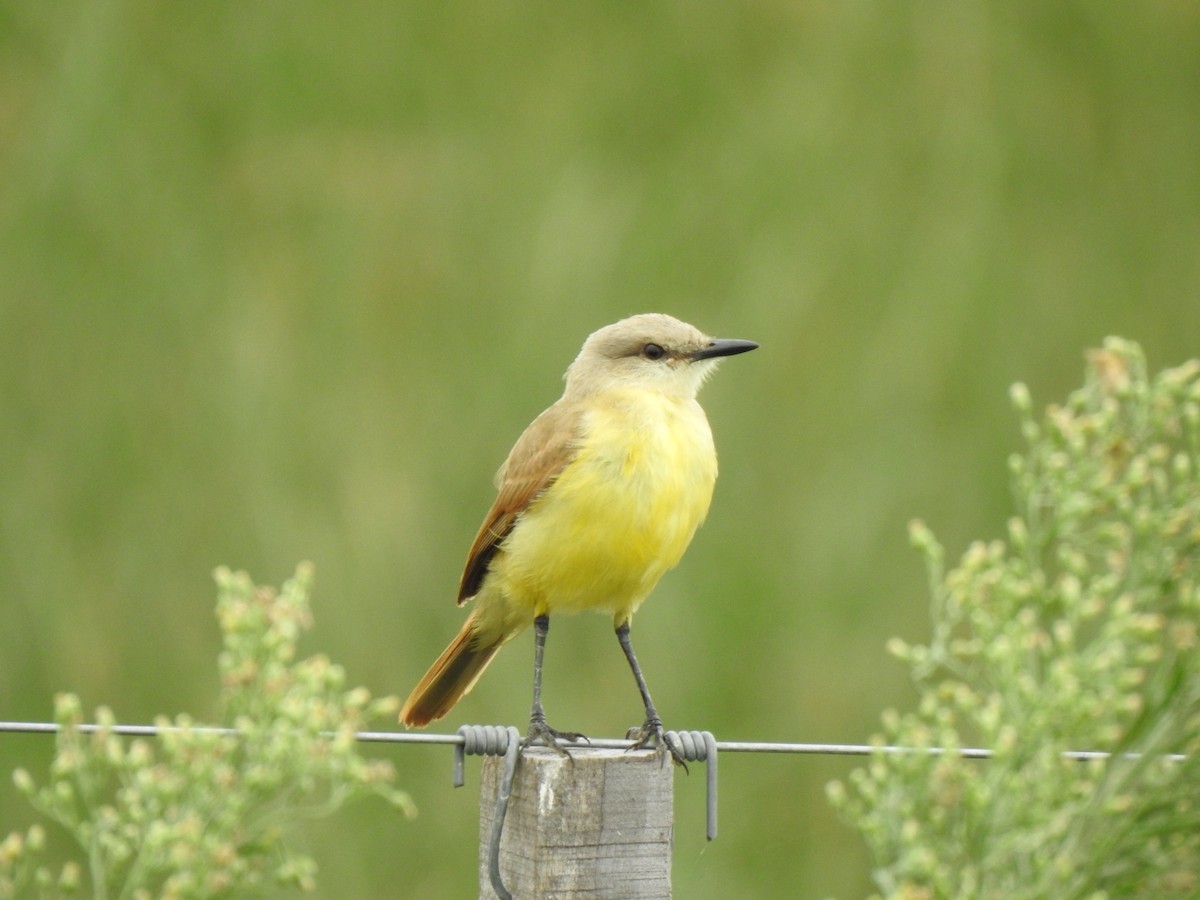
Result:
[652,351]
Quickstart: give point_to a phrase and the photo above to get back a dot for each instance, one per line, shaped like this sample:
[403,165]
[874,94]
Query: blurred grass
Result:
[284,281]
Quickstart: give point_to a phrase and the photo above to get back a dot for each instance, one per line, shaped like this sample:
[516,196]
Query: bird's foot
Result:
[652,735]
[541,733]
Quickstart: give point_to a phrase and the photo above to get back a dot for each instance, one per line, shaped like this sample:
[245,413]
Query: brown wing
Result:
[537,458]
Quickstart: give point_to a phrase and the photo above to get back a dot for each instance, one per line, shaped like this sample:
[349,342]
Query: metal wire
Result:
[700,746]
[492,740]
[405,737]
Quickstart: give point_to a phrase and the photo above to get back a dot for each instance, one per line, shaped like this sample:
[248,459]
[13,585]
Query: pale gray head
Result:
[651,351]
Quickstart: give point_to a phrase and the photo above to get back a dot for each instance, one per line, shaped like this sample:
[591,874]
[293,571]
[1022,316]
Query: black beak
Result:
[723,347]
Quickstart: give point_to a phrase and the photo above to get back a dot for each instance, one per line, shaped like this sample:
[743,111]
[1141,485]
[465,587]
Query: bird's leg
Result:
[651,732]
[539,731]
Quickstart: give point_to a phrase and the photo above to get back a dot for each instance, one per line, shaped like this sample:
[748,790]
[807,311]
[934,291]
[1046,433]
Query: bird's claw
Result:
[652,735]
[541,733]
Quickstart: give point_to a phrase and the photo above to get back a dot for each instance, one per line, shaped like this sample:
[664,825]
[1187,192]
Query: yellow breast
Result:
[620,515]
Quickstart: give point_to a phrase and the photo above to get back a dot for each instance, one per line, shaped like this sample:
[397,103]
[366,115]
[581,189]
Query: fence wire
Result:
[405,737]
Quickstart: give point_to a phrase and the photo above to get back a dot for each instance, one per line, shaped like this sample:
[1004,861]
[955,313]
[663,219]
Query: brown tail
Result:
[450,678]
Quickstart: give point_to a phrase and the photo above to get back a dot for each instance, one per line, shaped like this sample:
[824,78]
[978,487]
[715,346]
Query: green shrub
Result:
[205,812]
[1079,632]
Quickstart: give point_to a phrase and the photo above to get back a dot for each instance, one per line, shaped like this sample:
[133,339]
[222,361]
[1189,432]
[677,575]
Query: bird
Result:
[598,498]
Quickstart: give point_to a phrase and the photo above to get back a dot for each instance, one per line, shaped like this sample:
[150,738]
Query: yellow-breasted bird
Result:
[598,498]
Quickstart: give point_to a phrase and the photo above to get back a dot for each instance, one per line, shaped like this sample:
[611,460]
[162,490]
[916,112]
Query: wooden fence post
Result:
[597,825]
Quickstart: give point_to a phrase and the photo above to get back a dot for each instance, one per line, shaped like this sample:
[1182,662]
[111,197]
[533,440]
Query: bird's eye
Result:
[653,351]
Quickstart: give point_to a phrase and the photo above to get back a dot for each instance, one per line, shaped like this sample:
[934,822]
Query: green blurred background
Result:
[283,281]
